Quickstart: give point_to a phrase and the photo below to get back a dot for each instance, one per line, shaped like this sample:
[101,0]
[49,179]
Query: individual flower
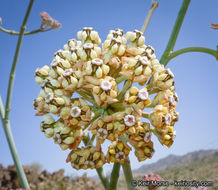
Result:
[162,78]
[137,69]
[118,151]
[144,152]
[141,137]
[86,158]
[166,98]
[136,37]
[89,35]
[96,68]
[103,90]
[138,98]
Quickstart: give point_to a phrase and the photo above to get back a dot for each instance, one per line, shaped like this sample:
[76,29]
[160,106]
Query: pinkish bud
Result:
[48,21]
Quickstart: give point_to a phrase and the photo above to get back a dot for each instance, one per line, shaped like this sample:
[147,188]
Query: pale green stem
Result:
[93,119]
[114,177]
[6,122]
[120,79]
[91,140]
[125,88]
[86,97]
[128,174]
[145,115]
[194,49]
[2,109]
[12,32]
[13,69]
[175,32]
[154,5]
[102,177]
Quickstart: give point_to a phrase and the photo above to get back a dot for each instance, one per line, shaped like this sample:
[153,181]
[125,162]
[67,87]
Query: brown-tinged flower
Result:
[86,158]
[118,151]
[144,152]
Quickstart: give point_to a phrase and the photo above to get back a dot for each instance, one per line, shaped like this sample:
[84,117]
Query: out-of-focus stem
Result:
[145,115]
[154,5]
[12,32]
[6,123]
[175,32]
[128,174]
[114,177]
[102,177]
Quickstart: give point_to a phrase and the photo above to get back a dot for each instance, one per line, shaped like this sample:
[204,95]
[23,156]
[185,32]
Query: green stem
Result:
[125,88]
[175,32]
[13,69]
[145,115]
[154,5]
[6,122]
[83,94]
[194,49]
[102,177]
[128,174]
[120,79]
[114,177]
[12,32]
[2,109]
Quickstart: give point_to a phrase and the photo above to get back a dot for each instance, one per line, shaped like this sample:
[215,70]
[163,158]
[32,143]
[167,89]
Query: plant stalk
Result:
[12,32]
[128,174]
[114,176]
[175,32]
[103,177]
[194,49]
[6,122]
[154,5]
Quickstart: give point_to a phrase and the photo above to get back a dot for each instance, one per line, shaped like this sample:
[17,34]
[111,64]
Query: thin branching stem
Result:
[2,109]
[194,49]
[83,94]
[175,32]
[154,5]
[6,122]
[13,32]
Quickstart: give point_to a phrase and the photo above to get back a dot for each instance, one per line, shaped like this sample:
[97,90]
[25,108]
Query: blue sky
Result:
[195,73]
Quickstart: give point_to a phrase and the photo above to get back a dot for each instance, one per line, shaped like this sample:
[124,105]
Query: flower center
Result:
[143,94]
[106,85]
[75,111]
[129,120]
[97,61]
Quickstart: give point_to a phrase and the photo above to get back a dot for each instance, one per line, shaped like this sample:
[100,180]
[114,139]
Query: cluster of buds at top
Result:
[81,89]
[48,21]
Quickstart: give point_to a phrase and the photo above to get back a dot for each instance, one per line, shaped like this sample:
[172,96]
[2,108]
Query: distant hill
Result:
[173,161]
[199,165]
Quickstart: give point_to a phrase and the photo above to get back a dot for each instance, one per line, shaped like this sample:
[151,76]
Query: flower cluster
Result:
[80,89]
